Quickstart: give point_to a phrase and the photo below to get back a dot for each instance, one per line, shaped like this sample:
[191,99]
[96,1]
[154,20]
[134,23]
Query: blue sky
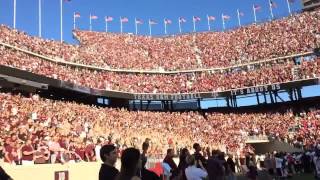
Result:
[27,14]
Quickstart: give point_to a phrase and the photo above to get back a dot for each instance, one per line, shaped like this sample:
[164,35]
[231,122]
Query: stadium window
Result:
[106,101]
[100,100]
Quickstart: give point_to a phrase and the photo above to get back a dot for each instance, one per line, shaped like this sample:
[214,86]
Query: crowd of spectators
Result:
[42,130]
[280,72]
[290,35]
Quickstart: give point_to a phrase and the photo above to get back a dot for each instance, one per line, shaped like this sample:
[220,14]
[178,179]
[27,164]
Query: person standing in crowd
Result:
[192,171]
[183,163]
[169,160]
[316,161]
[145,147]
[232,166]
[279,161]
[198,155]
[145,173]
[27,153]
[109,155]
[130,163]
[216,170]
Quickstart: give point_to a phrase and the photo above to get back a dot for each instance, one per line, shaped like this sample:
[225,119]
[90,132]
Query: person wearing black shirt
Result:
[199,156]
[109,155]
[4,175]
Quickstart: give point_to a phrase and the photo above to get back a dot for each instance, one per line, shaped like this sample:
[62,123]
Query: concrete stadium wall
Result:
[76,171]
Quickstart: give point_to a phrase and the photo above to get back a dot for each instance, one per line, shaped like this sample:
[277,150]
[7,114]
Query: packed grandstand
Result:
[270,51]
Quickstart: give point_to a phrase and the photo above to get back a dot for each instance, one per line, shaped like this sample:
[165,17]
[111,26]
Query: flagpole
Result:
[165,26]
[289,8]
[136,26]
[106,25]
[14,13]
[209,28]
[223,23]
[61,23]
[194,24]
[180,26]
[90,24]
[120,24]
[271,10]
[74,20]
[150,33]
[254,14]
[40,27]
[239,21]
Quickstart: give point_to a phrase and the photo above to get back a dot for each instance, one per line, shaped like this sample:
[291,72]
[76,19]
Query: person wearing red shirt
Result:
[89,153]
[27,153]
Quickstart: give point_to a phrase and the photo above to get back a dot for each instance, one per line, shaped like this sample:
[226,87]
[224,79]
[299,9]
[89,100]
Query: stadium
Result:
[239,102]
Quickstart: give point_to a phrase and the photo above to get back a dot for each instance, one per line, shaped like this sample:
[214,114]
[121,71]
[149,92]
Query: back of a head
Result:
[106,150]
[184,153]
[195,146]
[190,159]
[169,151]
[129,163]
[145,146]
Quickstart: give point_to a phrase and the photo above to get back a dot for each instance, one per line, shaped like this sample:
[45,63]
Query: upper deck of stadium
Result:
[296,34]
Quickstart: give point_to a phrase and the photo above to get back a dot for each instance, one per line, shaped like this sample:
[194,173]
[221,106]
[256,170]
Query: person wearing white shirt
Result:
[279,161]
[192,172]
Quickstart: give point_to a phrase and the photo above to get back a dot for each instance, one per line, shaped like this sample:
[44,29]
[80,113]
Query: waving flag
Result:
[256,7]
[152,22]
[226,17]
[77,15]
[124,20]
[196,18]
[182,20]
[211,18]
[93,17]
[109,18]
[139,21]
[167,21]
[273,4]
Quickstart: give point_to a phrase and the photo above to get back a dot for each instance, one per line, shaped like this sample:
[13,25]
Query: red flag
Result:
[93,17]
[139,21]
[183,20]
[124,19]
[211,18]
[256,7]
[152,22]
[196,18]
[77,15]
[109,18]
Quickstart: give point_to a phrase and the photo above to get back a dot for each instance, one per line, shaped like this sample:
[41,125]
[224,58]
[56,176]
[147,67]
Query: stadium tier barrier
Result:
[69,171]
[68,63]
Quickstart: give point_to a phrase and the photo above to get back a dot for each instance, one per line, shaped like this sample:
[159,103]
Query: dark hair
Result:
[145,146]
[190,159]
[169,150]
[129,163]
[183,155]
[196,145]
[106,150]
